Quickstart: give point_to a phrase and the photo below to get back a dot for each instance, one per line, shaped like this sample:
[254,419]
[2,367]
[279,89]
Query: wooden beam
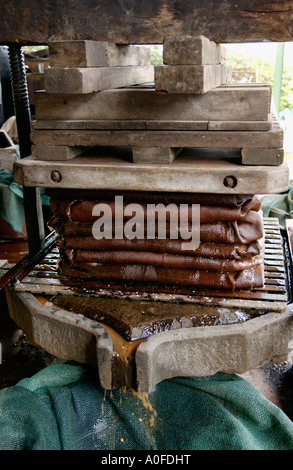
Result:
[190,79]
[189,50]
[141,125]
[262,156]
[82,80]
[200,139]
[148,22]
[191,171]
[96,54]
[237,102]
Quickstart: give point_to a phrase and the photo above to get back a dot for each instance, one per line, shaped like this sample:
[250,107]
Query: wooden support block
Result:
[35,81]
[233,102]
[96,54]
[224,53]
[75,80]
[226,73]
[154,154]
[194,79]
[56,152]
[258,156]
[190,50]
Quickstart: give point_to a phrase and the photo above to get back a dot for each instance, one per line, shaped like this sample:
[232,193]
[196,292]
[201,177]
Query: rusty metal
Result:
[27,263]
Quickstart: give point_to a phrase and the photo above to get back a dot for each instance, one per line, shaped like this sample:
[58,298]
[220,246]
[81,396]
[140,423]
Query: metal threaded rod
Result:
[31,196]
[20,98]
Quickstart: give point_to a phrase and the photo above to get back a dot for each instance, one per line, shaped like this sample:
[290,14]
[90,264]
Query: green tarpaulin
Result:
[64,407]
[11,201]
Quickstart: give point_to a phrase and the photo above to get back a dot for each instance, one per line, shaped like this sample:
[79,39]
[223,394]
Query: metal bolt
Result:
[55,176]
[230,181]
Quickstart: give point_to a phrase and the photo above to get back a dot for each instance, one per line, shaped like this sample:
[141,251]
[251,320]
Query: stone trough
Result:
[200,351]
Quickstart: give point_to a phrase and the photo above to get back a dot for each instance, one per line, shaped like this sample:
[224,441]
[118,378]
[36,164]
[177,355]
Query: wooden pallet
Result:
[155,125]
[257,147]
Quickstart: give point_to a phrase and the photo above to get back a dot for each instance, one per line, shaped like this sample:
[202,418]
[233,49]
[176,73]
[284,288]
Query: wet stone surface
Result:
[280,375]
[24,360]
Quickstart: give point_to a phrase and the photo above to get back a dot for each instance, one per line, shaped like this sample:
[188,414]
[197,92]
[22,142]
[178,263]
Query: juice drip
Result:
[144,397]
[123,350]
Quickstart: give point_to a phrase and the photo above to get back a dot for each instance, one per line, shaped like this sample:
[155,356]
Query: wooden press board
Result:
[194,170]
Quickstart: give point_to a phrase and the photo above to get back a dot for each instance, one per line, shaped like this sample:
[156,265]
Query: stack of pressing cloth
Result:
[229,255]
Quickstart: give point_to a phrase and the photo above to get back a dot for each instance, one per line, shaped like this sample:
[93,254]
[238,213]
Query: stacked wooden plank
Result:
[90,66]
[192,65]
[96,96]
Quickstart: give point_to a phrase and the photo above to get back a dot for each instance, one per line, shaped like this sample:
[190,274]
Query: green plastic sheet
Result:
[279,205]
[11,201]
[63,407]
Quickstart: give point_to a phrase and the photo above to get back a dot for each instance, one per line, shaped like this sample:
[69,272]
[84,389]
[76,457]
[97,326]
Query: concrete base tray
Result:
[200,351]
